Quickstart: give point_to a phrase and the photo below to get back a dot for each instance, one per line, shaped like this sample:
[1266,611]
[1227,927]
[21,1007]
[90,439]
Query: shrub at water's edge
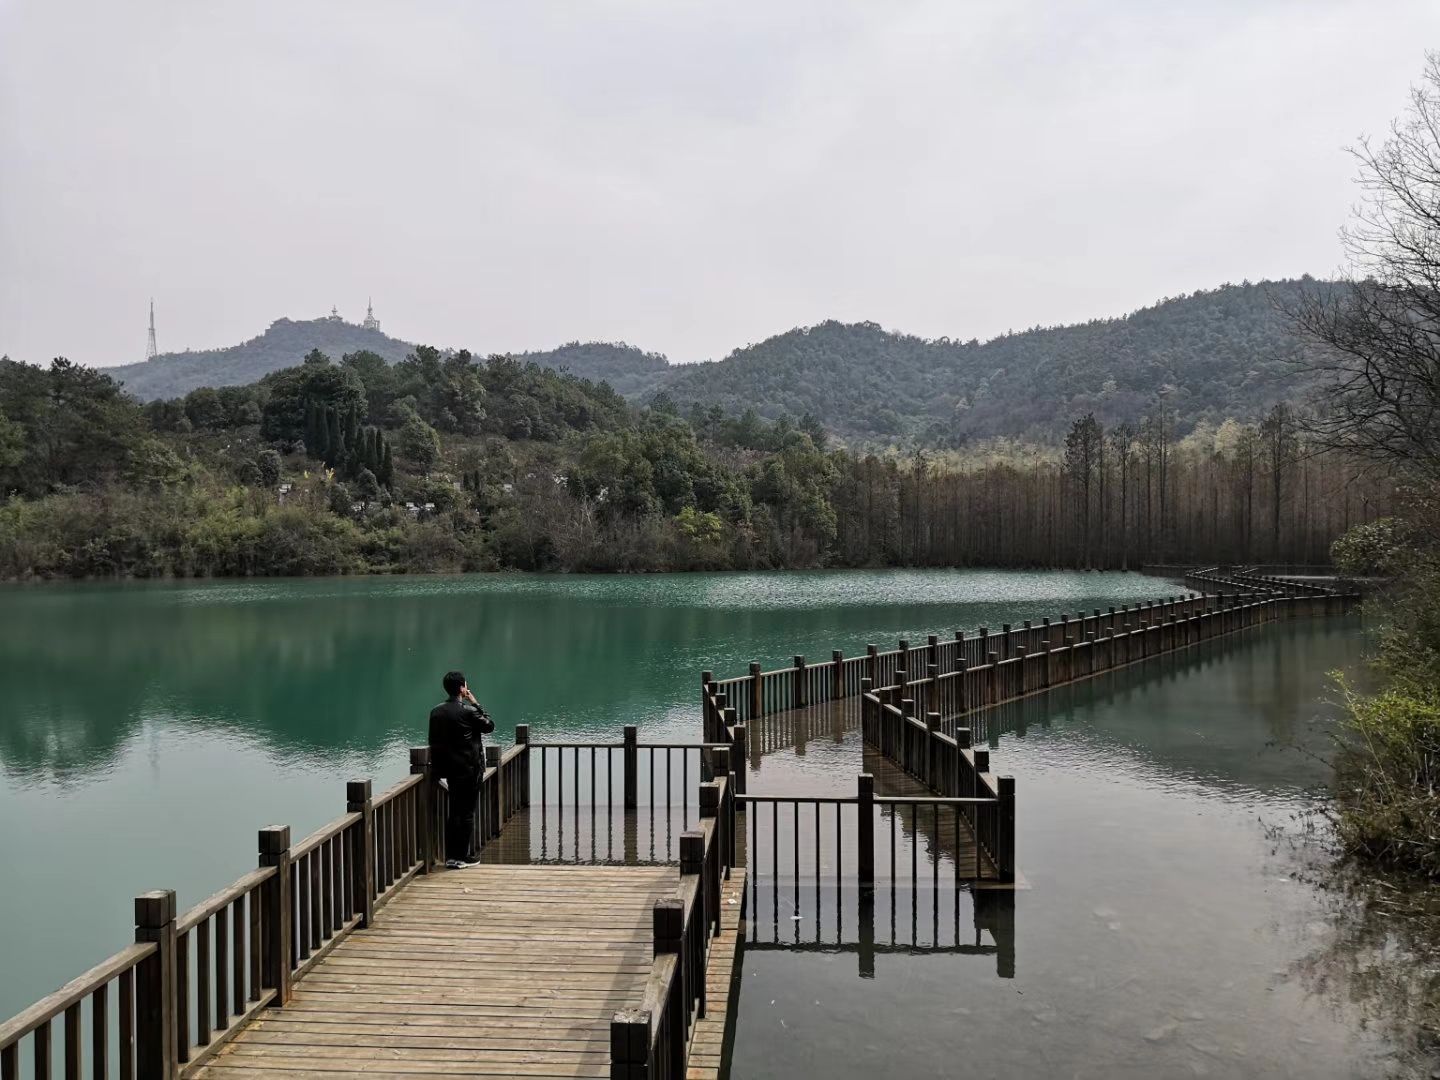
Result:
[1388,770]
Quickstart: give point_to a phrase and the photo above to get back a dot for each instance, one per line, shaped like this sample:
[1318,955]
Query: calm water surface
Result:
[1167,931]
[148,731]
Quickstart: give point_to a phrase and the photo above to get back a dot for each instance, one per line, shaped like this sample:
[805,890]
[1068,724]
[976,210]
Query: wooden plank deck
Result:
[492,971]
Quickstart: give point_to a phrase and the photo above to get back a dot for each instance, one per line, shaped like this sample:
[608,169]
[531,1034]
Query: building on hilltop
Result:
[370,323]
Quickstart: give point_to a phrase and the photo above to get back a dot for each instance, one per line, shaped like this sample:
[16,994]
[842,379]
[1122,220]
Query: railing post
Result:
[497,792]
[932,746]
[738,760]
[932,642]
[630,1045]
[156,1050]
[800,684]
[757,692]
[837,675]
[865,807]
[707,717]
[362,854]
[277,917]
[631,756]
[420,766]
[727,813]
[1006,855]
[963,788]
[522,738]
[669,931]
[872,664]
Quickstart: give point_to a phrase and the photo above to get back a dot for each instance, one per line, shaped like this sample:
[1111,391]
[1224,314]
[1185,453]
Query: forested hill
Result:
[176,374]
[630,372]
[1216,354]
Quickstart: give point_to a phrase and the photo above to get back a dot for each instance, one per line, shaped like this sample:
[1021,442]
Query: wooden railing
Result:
[1144,629]
[653,1041]
[611,773]
[834,839]
[161,1007]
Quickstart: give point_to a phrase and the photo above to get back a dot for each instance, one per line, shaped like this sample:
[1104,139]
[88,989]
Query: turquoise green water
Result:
[1168,930]
[148,731]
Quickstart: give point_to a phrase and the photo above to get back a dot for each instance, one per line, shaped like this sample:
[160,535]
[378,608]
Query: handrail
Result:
[222,899]
[935,800]
[396,789]
[657,989]
[52,1005]
[320,835]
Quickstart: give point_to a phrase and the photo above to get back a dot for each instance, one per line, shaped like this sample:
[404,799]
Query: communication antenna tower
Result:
[150,350]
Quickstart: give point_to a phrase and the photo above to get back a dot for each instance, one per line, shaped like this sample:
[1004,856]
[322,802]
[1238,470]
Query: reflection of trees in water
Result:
[82,673]
[1194,713]
[1378,957]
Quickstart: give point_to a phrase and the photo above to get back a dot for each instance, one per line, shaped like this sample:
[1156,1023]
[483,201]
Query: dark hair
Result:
[454,680]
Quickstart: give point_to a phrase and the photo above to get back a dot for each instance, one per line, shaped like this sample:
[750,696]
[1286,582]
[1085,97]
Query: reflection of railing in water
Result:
[893,921]
[1142,629]
[867,838]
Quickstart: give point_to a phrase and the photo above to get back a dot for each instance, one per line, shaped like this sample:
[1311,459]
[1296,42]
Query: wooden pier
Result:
[491,971]
[352,952]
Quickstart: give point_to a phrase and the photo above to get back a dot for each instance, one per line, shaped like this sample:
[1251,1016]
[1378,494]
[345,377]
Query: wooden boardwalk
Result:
[492,971]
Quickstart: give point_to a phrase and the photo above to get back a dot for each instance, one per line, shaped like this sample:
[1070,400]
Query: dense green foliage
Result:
[633,373]
[1213,355]
[446,462]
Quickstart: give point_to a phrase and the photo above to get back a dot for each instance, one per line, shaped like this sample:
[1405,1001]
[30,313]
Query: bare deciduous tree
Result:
[1377,342]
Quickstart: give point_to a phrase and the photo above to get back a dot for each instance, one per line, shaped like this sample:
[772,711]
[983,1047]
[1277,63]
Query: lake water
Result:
[148,730]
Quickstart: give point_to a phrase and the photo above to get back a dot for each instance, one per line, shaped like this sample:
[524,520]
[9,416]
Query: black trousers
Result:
[460,817]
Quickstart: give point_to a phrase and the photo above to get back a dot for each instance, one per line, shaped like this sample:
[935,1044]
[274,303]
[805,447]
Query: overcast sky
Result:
[687,177]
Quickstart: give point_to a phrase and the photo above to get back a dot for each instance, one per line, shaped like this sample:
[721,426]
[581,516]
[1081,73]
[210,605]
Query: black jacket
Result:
[456,747]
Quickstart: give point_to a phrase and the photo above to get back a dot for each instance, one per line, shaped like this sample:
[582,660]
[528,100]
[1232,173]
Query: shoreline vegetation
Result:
[1377,352]
[446,462]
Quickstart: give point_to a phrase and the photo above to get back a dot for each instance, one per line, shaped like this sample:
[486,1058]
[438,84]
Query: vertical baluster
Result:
[327,891]
[73,1061]
[41,1039]
[100,1032]
[237,955]
[254,947]
[125,1049]
[203,975]
[317,933]
[182,995]
[222,968]
[302,906]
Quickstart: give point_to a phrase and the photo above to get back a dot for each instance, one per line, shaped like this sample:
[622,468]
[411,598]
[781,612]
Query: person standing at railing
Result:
[457,756]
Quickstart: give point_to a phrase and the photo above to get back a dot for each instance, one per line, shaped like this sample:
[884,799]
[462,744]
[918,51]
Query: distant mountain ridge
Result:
[283,345]
[1212,354]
